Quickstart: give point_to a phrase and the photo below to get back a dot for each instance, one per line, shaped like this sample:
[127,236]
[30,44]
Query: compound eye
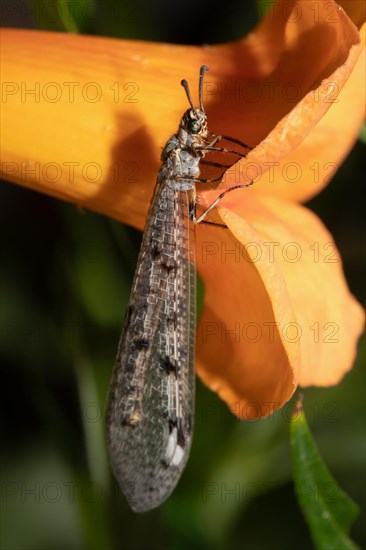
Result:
[194,126]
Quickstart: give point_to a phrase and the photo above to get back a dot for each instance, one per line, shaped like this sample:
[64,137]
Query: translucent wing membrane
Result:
[150,410]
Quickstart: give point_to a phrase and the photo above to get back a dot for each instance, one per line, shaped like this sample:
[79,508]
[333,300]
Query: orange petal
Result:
[327,318]
[93,127]
[300,155]
[241,354]
[309,167]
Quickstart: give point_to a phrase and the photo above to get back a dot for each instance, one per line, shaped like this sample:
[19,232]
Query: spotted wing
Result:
[151,397]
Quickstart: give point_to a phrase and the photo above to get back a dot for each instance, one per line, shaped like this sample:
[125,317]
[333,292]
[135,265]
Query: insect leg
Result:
[218,164]
[228,138]
[221,196]
[219,149]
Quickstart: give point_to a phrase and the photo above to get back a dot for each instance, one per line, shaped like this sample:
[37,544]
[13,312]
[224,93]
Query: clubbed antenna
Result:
[184,83]
[188,93]
[203,69]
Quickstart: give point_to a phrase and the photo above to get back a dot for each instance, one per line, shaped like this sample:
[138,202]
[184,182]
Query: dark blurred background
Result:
[65,279]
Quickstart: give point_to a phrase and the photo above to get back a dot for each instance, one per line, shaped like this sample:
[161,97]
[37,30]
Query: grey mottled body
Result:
[151,399]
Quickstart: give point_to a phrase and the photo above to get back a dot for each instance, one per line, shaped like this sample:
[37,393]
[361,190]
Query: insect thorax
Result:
[180,165]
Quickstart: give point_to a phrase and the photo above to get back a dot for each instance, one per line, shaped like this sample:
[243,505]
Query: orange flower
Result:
[87,121]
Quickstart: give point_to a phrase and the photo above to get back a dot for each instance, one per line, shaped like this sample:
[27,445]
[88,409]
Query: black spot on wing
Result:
[155,251]
[140,344]
[168,263]
[181,439]
[172,425]
[168,366]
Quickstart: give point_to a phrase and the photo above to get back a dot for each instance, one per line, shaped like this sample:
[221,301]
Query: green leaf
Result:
[76,16]
[362,135]
[328,510]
